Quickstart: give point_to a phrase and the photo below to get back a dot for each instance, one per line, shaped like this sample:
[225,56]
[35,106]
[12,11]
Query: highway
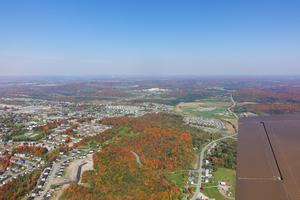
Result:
[197,193]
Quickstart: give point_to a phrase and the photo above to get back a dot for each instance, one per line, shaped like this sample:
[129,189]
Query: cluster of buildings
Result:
[224,188]
[140,109]
[20,164]
[207,172]
[20,117]
[204,122]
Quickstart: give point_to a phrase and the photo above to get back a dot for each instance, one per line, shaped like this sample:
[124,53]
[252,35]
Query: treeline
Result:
[4,162]
[224,154]
[33,150]
[175,122]
[287,94]
[18,188]
[274,108]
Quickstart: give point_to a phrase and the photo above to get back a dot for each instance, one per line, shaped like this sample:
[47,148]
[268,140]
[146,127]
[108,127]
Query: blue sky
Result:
[149,37]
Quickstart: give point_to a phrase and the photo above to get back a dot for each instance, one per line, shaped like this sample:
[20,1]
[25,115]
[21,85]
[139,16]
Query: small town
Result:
[149,100]
[30,128]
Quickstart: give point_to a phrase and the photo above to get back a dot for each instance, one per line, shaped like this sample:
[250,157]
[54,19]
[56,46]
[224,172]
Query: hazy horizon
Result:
[157,38]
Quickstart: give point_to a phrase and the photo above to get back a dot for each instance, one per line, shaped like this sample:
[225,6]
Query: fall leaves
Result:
[268,99]
[118,176]
[33,150]
[4,162]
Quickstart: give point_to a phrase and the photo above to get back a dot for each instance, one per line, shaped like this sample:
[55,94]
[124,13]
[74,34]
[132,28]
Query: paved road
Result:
[199,182]
[51,177]
[233,104]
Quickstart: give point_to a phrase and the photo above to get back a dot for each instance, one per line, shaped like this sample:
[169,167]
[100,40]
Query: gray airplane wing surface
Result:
[268,163]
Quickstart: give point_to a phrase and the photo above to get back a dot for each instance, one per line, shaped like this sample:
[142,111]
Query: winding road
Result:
[197,193]
[199,183]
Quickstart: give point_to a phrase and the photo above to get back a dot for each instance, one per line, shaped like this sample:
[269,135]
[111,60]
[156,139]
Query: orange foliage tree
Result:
[119,174]
[34,150]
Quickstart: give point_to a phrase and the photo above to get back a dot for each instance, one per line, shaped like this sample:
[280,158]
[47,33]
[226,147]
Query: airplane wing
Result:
[268,160]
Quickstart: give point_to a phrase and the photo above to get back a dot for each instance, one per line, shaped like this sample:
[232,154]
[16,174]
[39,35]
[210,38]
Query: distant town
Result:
[57,139]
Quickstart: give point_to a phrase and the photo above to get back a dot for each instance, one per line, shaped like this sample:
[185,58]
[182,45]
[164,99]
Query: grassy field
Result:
[222,174]
[227,175]
[214,193]
[206,108]
[178,178]
[215,113]
[34,136]
[125,132]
